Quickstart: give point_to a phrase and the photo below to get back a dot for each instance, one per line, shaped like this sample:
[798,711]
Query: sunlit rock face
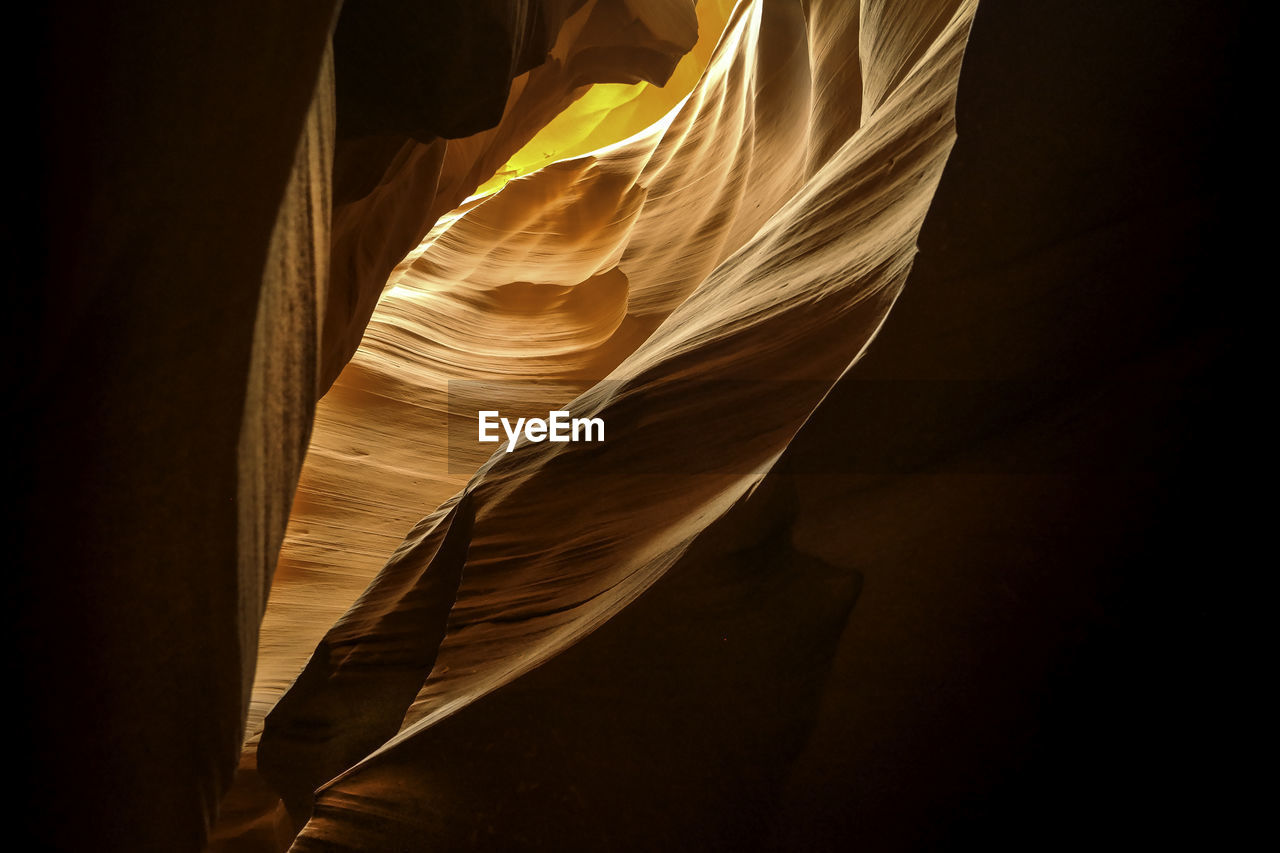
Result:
[346,522]
[737,256]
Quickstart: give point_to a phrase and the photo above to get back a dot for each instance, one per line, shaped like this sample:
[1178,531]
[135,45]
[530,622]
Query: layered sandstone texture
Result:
[700,287]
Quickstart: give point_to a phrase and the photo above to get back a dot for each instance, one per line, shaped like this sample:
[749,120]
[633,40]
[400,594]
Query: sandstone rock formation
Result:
[1022,474]
[798,202]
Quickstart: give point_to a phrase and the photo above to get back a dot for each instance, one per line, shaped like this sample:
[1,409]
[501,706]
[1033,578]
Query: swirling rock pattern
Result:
[758,234]
[1031,480]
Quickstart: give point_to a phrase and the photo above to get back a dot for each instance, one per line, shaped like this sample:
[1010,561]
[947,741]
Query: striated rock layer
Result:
[739,255]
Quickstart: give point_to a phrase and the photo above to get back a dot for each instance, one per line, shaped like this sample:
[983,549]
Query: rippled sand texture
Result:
[760,233]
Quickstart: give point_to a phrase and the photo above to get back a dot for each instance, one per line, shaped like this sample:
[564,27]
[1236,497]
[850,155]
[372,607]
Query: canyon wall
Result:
[177,256]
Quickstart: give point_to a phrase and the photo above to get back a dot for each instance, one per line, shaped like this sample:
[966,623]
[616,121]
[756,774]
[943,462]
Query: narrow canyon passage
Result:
[891,539]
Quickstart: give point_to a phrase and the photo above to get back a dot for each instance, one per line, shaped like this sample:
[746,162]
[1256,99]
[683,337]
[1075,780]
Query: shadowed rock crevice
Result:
[352,696]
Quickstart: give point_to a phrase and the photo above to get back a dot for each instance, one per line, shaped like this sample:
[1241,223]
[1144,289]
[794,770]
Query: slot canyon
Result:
[904,326]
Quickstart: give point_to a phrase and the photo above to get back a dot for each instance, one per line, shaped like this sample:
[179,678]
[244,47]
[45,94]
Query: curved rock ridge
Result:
[387,412]
[597,40]
[757,237]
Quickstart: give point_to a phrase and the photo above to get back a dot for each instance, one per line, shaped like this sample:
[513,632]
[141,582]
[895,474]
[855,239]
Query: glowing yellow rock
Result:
[610,112]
